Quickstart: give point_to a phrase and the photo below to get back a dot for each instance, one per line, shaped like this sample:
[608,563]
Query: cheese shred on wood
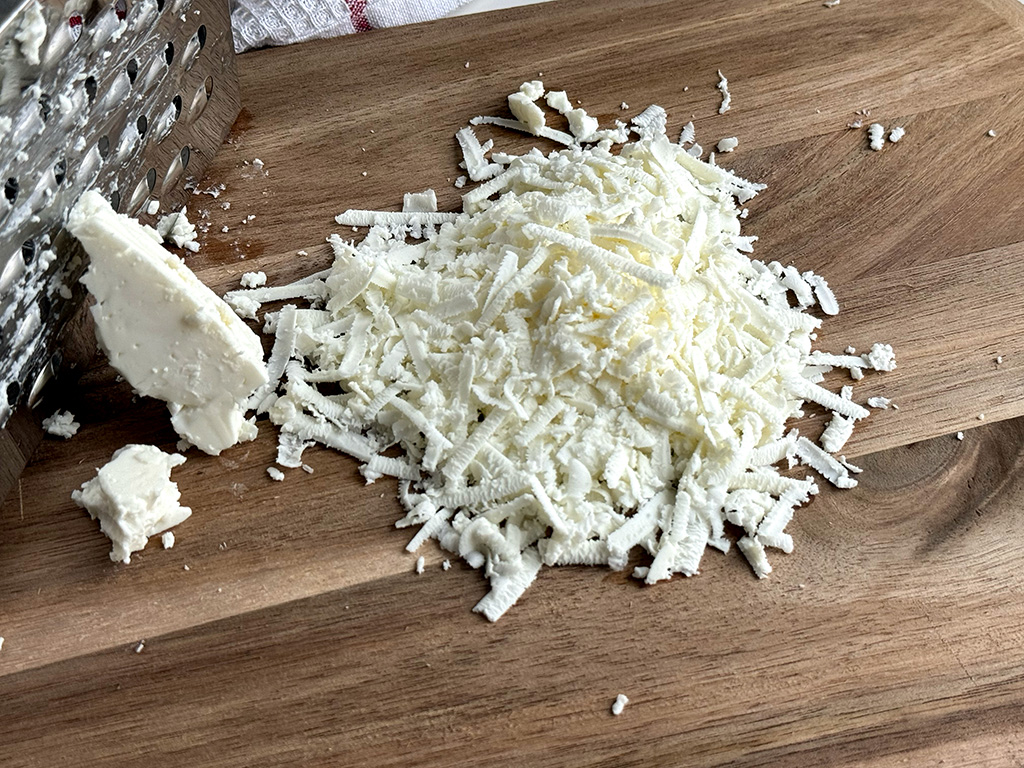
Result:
[583,362]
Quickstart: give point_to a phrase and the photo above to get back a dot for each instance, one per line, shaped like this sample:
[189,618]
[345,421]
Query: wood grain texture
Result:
[299,633]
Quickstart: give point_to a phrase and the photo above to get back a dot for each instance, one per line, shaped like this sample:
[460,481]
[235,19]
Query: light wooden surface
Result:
[300,635]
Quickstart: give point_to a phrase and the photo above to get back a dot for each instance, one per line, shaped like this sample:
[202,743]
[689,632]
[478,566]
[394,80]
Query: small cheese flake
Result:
[723,88]
[896,134]
[141,646]
[153,207]
[728,145]
[981,417]
[991,133]
[275,474]
[185,568]
[959,435]
[167,539]
[880,402]
[999,360]
[623,106]
[619,704]
[421,564]
[831,3]
[1,643]
[61,424]
[876,136]
[446,565]
[253,279]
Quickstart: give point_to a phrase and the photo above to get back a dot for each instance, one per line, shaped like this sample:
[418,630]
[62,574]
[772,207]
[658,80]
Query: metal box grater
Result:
[130,97]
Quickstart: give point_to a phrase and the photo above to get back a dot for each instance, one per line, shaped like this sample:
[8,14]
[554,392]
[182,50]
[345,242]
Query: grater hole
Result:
[169,53]
[13,392]
[174,173]
[142,125]
[186,155]
[201,36]
[28,252]
[11,190]
[176,101]
[121,9]
[90,88]
[132,70]
[60,171]
[159,5]
[45,106]
[115,200]
[44,305]
[151,178]
[202,98]
[104,146]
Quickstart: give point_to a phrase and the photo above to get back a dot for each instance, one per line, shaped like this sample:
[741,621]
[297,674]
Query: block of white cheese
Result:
[133,498]
[169,335]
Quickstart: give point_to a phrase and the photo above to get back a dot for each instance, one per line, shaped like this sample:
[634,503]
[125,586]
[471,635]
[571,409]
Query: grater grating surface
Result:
[130,97]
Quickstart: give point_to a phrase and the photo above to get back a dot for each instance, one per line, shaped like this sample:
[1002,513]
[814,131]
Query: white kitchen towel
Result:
[258,23]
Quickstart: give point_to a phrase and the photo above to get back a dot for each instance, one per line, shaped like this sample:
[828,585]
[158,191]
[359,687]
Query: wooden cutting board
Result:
[299,634]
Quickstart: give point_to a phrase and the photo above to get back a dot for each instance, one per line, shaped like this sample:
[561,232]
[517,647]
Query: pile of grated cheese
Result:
[583,361]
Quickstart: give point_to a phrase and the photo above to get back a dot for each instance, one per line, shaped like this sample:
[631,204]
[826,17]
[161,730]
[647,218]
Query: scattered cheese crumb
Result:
[959,435]
[876,136]
[141,646]
[275,474]
[880,402]
[253,279]
[896,134]
[723,88]
[999,360]
[185,568]
[257,164]
[991,133]
[728,145]
[153,208]
[831,3]
[421,563]
[467,65]
[981,417]
[623,105]
[301,253]
[61,424]
[619,704]
[1,643]
[176,228]
[133,498]
[446,565]
[167,539]
[307,469]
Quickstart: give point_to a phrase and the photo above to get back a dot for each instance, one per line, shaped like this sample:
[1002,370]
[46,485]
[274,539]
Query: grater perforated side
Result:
[130,97]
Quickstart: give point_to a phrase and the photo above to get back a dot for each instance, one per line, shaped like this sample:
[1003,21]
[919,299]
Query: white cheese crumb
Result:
[619,704]
[61,424]
[460,182]
[896,134]
[467,65]
[307,469]
[133,498]
[253,279]
[728,145]
[167,539]
[831,3]
[991,133]
[153,208]
[1,643]
[176,228]
[275,474]
[446,565]
[999,360]
[876,136]
[687,135]
[981,417]
[425,201]
[301,253]
[257,164]
[880,402]
[558,101]
[623,106]
[141,646]
[723,88]
[420,564]
[959,435]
